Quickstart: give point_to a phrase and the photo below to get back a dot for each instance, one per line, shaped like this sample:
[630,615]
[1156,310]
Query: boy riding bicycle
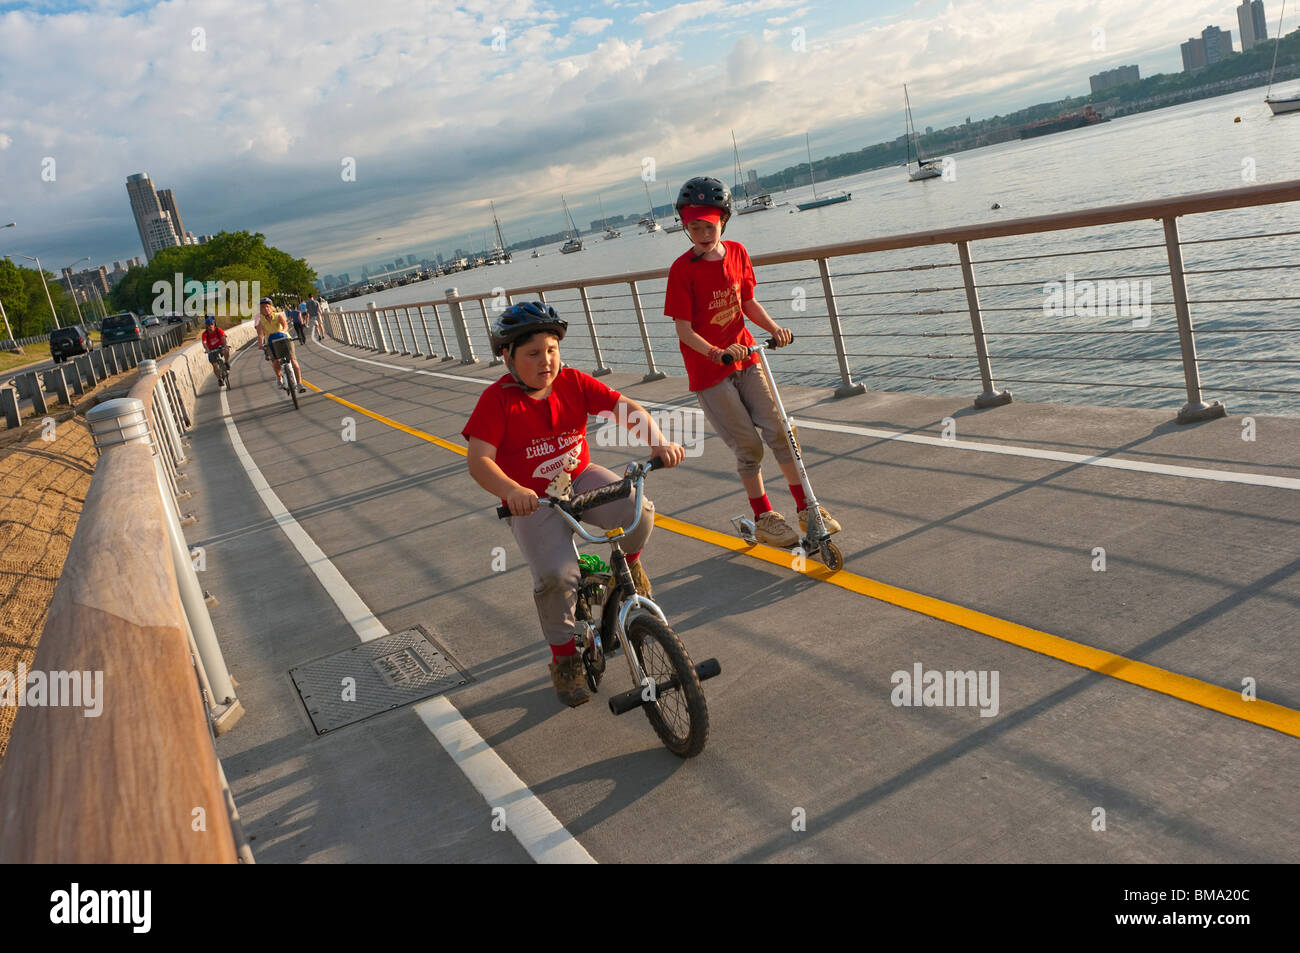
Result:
[214,342]
[710,293]
[528,436]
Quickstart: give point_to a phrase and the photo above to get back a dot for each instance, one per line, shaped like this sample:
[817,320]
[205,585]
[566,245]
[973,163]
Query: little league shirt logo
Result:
[726,301]
[567,460]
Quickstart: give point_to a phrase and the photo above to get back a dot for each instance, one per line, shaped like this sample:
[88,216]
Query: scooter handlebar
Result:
[771,344]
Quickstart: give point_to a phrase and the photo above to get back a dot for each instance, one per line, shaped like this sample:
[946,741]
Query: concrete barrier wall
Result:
[190,364]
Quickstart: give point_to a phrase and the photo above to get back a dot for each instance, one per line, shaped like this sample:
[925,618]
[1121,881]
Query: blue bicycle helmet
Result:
[525,318]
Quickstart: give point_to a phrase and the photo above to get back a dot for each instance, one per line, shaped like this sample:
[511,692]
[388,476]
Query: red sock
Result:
[760,505]
[633,557]
[560,651]
[800,501]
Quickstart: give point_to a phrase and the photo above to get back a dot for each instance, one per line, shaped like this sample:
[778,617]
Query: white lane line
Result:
[534,826]
[1113,463]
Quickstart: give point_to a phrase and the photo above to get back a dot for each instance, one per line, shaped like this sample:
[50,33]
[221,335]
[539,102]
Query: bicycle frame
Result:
[618,563]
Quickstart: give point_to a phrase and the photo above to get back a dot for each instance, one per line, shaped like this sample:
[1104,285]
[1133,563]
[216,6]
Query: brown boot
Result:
[569,680]
[640,579]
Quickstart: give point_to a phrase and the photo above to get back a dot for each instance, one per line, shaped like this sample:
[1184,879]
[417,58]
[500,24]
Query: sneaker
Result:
[303,390]
[569,680]
[640,580]
[771,528]
[832,525]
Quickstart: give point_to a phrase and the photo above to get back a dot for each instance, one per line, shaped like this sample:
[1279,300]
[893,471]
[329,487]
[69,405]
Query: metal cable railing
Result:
[618,315]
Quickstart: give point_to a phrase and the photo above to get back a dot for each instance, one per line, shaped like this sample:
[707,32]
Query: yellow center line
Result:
[1214,697]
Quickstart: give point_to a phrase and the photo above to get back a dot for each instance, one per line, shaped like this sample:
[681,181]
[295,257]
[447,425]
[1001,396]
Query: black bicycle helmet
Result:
[525,318]
[705,190]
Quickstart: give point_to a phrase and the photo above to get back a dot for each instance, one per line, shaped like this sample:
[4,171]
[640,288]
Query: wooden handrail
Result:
[135,784]
[1270,193]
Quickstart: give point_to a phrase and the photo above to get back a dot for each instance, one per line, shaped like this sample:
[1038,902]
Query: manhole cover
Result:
[375,677]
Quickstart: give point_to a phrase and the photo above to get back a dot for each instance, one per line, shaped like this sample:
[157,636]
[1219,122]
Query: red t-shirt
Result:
[214,339]
[536,440]
[709,294]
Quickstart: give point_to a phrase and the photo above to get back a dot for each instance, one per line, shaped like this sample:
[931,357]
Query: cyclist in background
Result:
[214,342]
[271,326]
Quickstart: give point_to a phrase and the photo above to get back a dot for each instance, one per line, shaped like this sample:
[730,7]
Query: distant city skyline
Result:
[401,124]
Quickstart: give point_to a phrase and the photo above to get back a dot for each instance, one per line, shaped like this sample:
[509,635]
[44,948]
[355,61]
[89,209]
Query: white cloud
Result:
[590,25]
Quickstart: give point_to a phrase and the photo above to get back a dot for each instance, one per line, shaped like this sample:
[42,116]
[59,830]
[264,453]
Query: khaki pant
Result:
[547,543]
[739,408]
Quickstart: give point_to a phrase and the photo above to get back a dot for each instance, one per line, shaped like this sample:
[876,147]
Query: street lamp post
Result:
[41,271]
[72,287]
[8,330]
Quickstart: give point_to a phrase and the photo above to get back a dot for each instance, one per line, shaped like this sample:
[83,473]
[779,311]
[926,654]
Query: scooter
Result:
[817,541]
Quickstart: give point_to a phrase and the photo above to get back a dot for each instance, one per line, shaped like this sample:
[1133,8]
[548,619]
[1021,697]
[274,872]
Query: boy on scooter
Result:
[528,436]
[710,293]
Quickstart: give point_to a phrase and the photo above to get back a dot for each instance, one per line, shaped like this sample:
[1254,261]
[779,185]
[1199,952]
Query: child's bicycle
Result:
[279,350]
[222,369]
[610,613]
[817,541]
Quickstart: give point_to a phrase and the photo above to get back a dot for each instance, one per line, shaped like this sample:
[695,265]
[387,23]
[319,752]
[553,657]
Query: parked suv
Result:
[117,328]
[69,342]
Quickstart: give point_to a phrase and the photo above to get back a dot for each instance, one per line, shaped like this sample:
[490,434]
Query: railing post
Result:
[1196,408]
[442,335]
[992,397]
[397,332]
[654,373]
[847,388]
[55,379]
[381,344]
[601,369]
[458,325]
[428,341]
[410,325]
[487,329]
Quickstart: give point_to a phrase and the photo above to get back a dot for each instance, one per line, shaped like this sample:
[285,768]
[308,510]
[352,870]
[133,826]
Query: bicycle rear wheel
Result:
[678,713]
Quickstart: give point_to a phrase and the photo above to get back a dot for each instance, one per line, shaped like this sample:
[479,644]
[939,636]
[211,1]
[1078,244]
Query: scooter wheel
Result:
[832,557]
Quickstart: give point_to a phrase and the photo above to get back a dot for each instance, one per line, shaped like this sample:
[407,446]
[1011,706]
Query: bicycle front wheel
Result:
[291,384]
[678,713]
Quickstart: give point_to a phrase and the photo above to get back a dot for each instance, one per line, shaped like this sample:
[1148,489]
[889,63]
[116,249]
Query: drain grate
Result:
[375,677]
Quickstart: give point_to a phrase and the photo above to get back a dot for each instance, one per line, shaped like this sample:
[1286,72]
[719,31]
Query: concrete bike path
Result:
[803,723]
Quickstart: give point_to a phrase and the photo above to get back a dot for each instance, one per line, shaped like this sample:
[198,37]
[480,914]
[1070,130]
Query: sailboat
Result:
[830,198]
[500,253]
[677,225]
[753,203]
[648,223]
[925,168]
[1280,104]
[574,243]
[610,233]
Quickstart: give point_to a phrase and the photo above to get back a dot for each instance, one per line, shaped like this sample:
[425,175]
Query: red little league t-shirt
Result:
[537,440]
[709,294]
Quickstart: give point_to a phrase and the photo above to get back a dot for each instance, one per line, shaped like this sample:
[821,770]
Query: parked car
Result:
[152,321]
[117,328]
[174,318]
[68,342]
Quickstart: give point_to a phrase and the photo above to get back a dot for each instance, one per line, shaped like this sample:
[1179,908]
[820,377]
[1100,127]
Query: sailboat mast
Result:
[501,242]
[908,105]
[1276,44]
[811,174]
[603,221]
[735,150]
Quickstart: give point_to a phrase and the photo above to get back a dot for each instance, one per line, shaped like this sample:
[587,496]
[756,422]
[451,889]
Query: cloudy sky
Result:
[251,109]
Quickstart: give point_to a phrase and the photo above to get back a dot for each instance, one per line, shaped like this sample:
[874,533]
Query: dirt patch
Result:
[43,485]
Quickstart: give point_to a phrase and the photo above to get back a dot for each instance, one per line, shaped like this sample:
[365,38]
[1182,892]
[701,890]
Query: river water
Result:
[904,313]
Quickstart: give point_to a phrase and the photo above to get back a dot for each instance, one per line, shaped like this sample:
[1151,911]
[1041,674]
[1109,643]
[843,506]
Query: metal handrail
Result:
[610,303]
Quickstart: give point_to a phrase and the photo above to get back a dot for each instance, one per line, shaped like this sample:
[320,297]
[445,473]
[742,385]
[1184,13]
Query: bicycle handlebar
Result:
[771,343]
[599,496]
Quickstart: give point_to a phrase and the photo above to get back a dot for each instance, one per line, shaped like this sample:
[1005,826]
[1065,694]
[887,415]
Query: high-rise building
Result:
[410,260]
[156,224]
[344,278]
[1218,44]
[1114,77]
[1253,26]
[1193,55]
[168,201]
